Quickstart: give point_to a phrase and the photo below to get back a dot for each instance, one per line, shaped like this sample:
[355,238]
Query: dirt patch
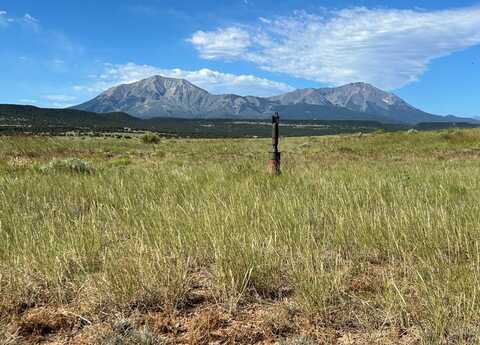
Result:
[38,324]
[201,320]
[263,323]
[204,327]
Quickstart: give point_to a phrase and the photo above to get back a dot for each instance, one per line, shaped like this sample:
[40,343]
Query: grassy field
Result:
[364,239]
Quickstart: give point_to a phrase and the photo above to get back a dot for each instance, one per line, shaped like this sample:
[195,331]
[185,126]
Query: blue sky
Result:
[57,53]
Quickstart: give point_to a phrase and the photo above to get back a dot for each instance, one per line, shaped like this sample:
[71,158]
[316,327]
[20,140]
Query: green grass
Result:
[379,231]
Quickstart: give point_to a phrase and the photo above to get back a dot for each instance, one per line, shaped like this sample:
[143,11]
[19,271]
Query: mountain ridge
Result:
[159,96]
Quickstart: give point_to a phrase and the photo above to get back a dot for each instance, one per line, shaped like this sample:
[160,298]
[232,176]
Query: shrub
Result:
[346,150]
[121,161]
[72,165]
[150,138]
[379,131]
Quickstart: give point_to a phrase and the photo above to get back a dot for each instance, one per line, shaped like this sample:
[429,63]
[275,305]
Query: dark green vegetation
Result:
[33,117]
[369,239]
[26,119]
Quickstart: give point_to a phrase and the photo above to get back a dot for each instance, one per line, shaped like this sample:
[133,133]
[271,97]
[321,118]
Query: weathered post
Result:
[274,161]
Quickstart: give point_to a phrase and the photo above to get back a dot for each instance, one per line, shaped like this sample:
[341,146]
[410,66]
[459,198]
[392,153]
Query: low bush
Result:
[379,131]
[121,161]
[71,165]
[150,138]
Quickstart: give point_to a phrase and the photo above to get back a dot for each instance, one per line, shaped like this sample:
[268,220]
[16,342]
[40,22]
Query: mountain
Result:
[168,97]
[360,98]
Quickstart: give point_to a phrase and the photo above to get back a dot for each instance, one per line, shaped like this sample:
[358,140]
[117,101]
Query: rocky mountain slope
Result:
[167,97]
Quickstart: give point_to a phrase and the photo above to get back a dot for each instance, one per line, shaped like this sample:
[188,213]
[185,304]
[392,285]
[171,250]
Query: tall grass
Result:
[386,230]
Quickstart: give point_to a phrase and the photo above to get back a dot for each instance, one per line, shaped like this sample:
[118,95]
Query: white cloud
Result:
[27,101]
[57,101]
[212,81]
[30,21]
[54,42]
[59,98]
[4,19]
[27,19]
[386,47]
[227,43]
[218,82]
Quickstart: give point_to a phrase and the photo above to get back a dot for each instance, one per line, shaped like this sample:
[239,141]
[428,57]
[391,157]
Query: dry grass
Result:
[367,239]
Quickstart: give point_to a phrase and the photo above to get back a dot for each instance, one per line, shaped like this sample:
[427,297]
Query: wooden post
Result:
[274,161]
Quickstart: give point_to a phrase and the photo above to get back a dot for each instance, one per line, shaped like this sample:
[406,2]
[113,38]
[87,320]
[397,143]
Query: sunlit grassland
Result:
[380,231]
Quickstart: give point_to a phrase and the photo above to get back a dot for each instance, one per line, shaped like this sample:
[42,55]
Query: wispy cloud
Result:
[59,98]
[27,101]
[53,41]
[228,43]
[31,21]
[213,81]
[5,19]
[27,19]
[386,47]
[58,101]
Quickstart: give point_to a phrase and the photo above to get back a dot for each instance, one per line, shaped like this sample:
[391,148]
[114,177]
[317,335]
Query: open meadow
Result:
[364,239]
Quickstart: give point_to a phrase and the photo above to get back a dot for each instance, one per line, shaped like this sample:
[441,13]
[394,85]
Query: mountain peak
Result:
[161,78]
[358,83]
[361,85]
[168,81]
[156,80]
